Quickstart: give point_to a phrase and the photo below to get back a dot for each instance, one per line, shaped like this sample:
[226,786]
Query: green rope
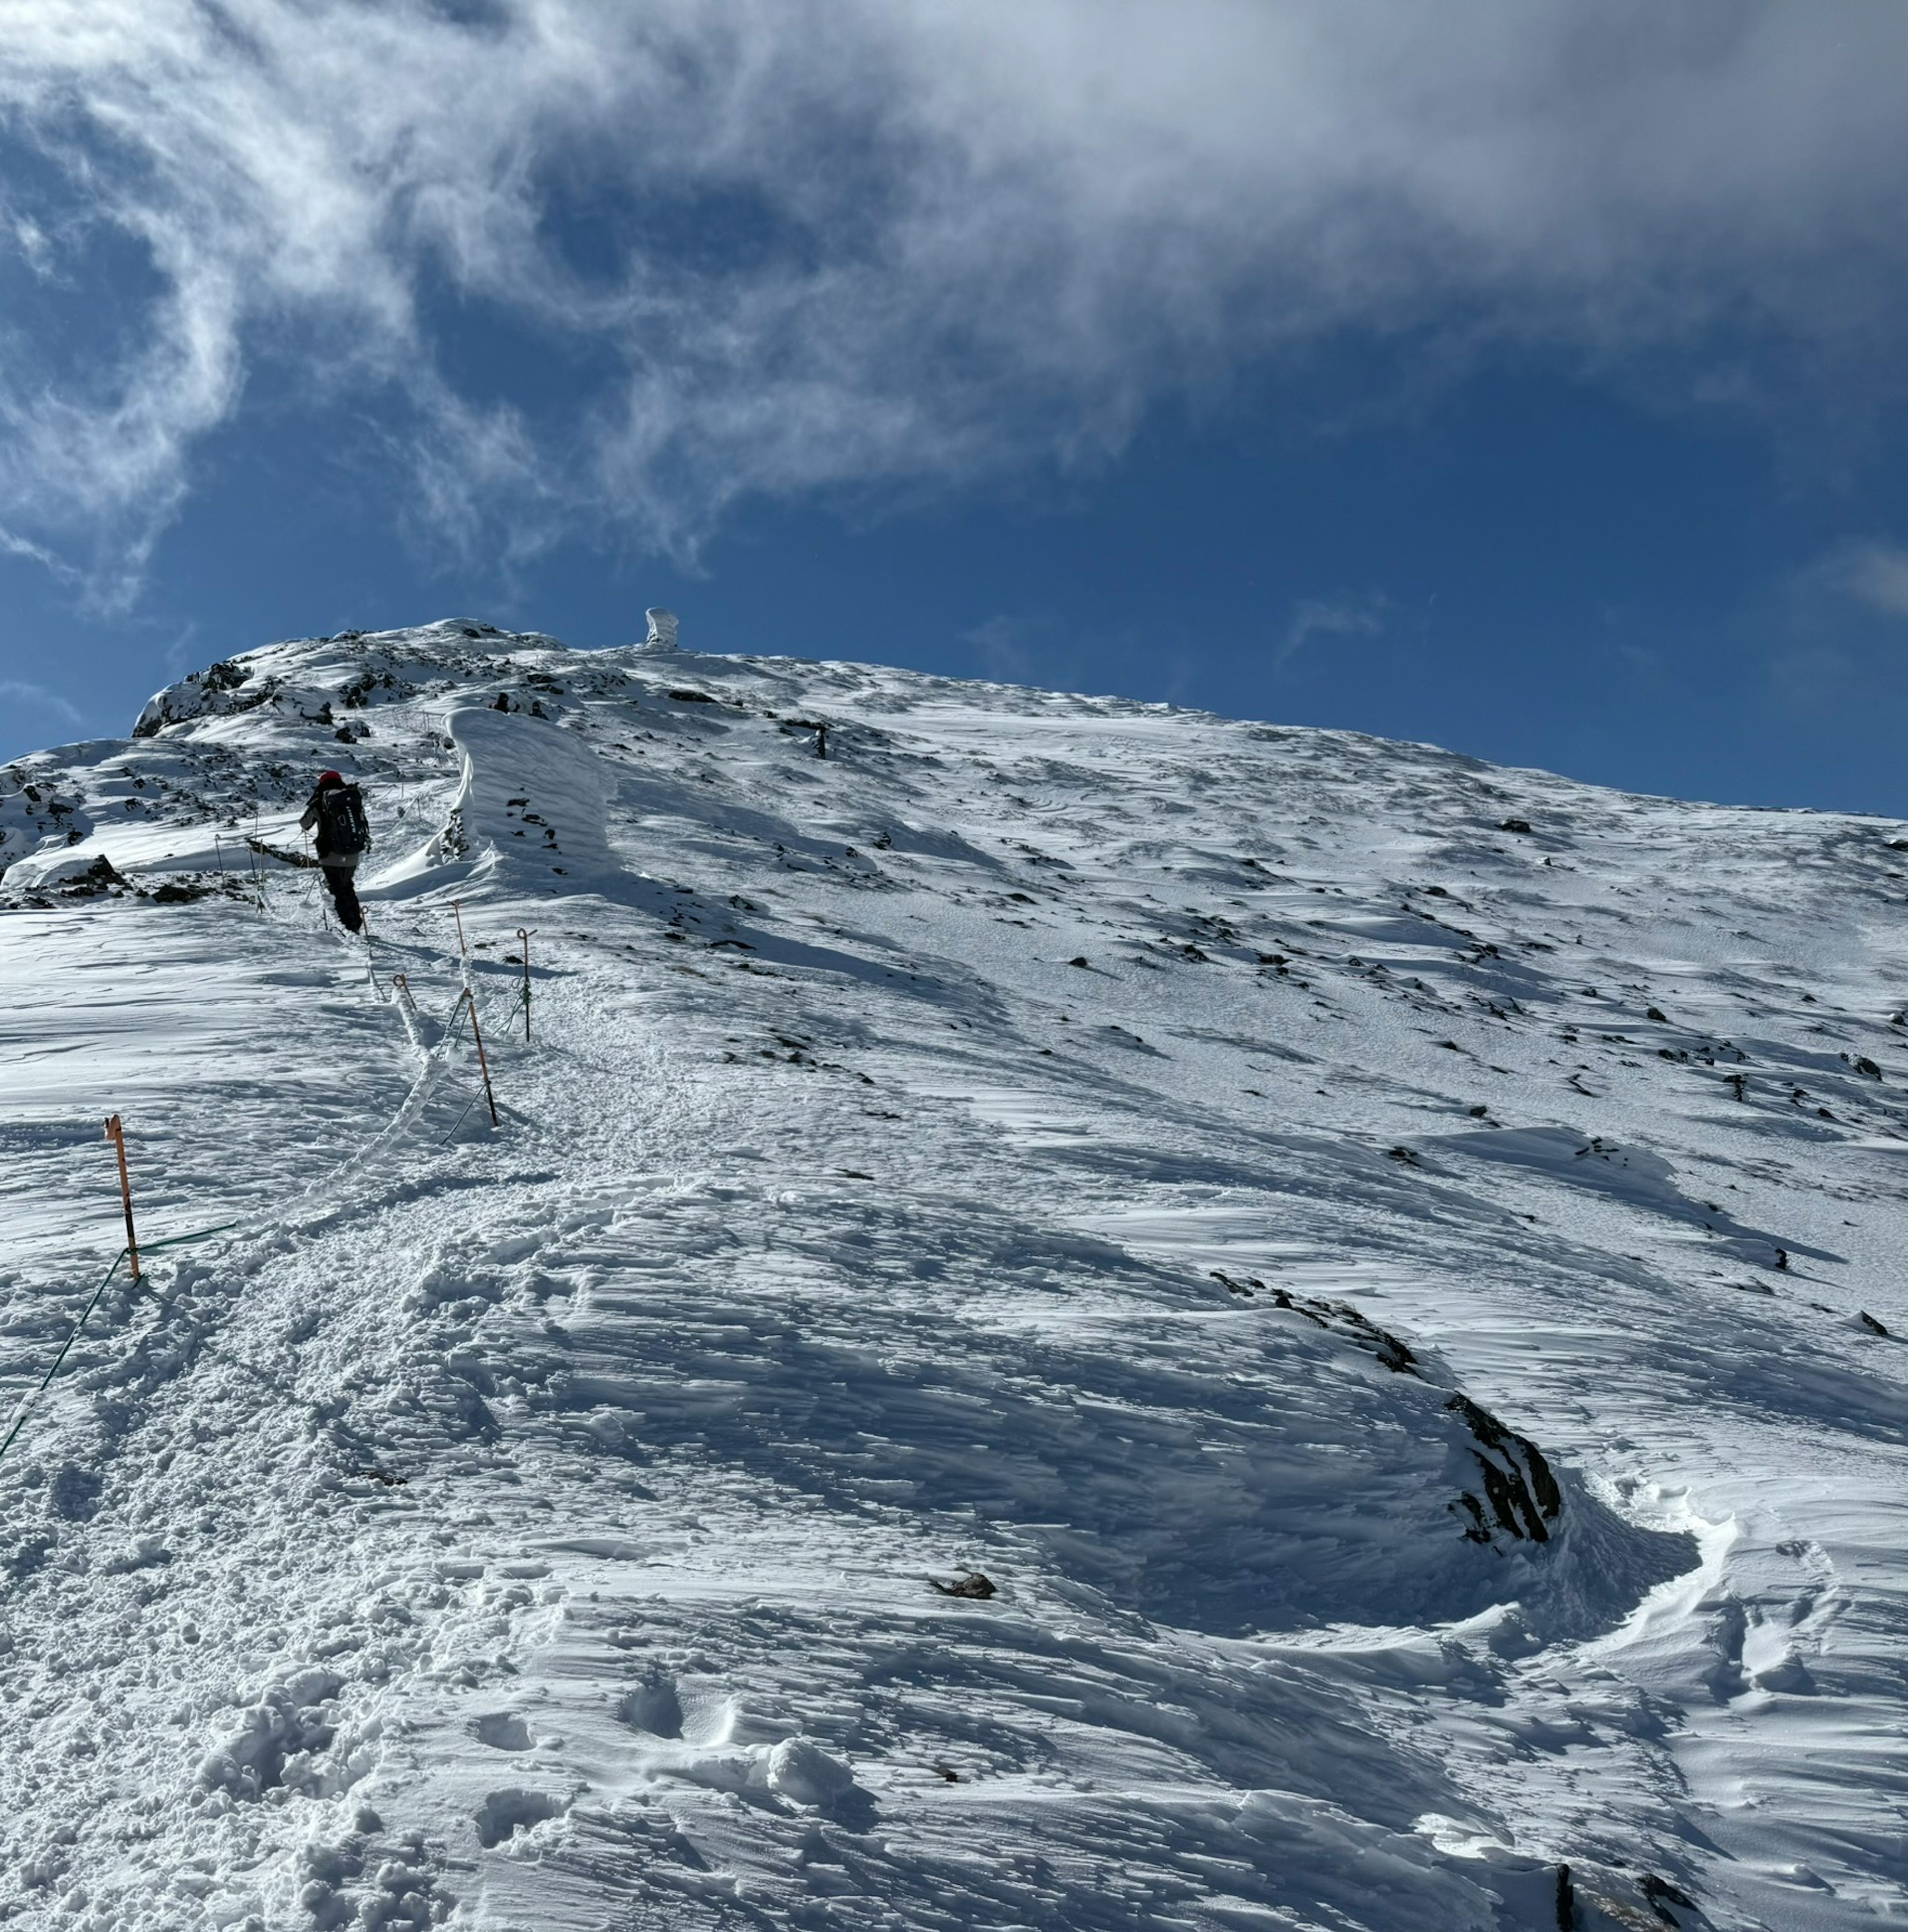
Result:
[178,1241]
[20,1421]
[171,1241]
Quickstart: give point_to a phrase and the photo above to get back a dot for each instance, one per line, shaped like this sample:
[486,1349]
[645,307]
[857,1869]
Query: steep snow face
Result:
[1079,1315]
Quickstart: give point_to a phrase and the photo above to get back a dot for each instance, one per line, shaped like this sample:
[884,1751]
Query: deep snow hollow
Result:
[1082,1315]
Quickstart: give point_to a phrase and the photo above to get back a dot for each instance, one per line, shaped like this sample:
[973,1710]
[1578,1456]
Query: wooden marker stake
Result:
[116,1134]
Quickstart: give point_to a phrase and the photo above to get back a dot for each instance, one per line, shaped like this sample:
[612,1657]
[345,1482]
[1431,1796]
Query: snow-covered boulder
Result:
[800,1771]
[219,688]
[63,871]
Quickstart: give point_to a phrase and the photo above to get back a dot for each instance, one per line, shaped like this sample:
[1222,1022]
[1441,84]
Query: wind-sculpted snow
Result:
[530,810]
[1081,1316]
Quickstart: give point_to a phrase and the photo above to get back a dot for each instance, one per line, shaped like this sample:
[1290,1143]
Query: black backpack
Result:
[343,828]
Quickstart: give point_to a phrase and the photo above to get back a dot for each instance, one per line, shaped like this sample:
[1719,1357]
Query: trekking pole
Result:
[116,1134]
[456,912]
[477,1034]
[524,937]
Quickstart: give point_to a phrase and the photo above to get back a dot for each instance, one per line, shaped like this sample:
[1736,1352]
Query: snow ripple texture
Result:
[1082,1315]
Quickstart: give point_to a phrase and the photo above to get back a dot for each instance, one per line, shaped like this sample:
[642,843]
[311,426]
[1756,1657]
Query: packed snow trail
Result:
[1381,1263]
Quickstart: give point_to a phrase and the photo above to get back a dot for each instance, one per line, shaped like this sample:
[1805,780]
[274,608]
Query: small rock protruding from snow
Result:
[971,1584]
[662,631]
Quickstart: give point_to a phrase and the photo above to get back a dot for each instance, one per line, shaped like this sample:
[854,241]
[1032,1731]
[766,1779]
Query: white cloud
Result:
[812,245]
[1366,615]
[12,544]
[40,698]
[1873,574]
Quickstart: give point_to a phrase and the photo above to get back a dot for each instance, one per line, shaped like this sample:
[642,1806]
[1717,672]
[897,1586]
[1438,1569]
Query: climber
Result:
[337,812]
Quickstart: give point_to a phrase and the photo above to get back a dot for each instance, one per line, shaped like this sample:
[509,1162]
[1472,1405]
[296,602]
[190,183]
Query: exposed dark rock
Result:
[1523,1494]
[1661,1894]
[100,877]
[1381,1342]
[974,1585]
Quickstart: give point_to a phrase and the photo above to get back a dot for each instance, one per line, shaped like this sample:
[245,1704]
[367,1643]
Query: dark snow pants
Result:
[344,896]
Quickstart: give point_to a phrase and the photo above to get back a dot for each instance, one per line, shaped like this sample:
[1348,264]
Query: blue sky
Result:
[1522,380]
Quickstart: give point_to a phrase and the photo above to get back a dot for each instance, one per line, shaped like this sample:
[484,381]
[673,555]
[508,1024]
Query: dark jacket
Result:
[314,819]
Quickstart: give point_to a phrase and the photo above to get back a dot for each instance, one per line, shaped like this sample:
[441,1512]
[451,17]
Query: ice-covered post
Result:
[662,631]
[116,1134]
[523,936]
[483,1059]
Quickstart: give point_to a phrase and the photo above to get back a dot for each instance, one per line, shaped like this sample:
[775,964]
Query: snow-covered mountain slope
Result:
[1082,1315]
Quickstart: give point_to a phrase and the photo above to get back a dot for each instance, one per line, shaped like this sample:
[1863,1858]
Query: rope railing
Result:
[465,1003]
[34,1394]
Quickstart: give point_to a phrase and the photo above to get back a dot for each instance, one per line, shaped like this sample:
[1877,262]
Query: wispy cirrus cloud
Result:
[774,247]
[39,698]
[1366,613]
[1870,572]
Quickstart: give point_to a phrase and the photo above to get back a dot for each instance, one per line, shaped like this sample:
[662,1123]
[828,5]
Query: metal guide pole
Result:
[524,937]
[477,1034]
